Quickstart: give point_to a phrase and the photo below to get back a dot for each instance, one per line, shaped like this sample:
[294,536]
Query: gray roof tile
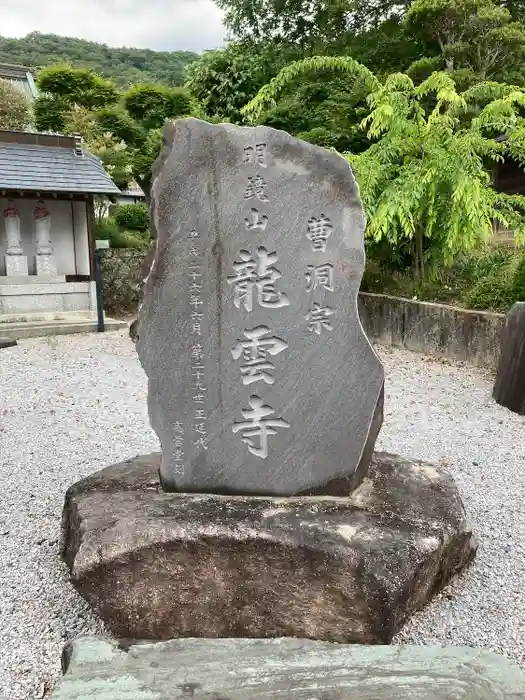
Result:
[48,169]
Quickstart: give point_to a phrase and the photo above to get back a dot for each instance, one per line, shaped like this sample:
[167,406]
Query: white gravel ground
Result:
[72,405]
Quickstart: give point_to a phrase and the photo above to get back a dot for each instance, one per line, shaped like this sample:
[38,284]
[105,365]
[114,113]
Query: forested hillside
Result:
[125,66]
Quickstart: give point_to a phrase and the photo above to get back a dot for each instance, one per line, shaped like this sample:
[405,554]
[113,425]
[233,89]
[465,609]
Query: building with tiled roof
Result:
[21,77]
[47,189]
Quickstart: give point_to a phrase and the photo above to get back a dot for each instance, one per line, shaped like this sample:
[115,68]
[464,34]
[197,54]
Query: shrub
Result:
[106,229]
[15,110]
[129,239]
[492,288]
[132,217]
[518,280]
[122,279]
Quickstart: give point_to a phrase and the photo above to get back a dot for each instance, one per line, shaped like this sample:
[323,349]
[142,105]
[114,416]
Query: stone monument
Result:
[270,385]
[272,516]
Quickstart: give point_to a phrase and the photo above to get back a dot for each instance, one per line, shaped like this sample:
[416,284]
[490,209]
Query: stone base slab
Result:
[288,669]
[15,265]
[46,297]
[33,279]
[155,565]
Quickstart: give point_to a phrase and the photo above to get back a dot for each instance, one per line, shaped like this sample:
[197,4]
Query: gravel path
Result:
[70,406]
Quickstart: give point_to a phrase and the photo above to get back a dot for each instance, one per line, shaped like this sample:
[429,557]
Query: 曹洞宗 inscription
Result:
[261,379]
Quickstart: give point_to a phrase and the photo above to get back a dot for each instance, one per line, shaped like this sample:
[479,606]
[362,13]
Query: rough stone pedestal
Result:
[509,387]
[288,669]
[158,565]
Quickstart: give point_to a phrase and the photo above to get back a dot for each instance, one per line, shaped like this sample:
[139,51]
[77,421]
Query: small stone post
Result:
[509,388]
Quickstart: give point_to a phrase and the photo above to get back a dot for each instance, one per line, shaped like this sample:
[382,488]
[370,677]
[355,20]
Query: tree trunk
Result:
[509,388]
[419,257]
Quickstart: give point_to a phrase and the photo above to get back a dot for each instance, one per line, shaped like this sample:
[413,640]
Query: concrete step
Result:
[35,329]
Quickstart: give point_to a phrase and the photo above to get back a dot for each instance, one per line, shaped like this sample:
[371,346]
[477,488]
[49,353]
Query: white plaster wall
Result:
[62,213]
[81,238]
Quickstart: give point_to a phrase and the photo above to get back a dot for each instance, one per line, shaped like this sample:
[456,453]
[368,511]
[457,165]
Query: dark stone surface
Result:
[7,342]
[156,565]
[509,387]
[288,669]
[261,379]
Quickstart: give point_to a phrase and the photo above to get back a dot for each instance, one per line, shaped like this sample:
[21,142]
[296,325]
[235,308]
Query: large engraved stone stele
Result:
[261,378]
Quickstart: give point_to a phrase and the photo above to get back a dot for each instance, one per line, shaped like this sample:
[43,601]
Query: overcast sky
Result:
[164,25]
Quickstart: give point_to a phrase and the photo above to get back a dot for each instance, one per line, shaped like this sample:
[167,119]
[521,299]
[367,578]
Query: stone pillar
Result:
[15,260]
[45,260]
[509,387]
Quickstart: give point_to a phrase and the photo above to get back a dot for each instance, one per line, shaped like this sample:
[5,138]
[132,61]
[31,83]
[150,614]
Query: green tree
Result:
[123,129]
[61,87]
[151,105]
[79,86]
[15,110]
[425,179]
[313,23]
[476,35]
[112,151]
[223,81]
[516,9]
[267,97]
[286,20]
[132,217]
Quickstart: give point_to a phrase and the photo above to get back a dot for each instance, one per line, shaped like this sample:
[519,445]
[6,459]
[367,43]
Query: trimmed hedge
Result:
[122,279]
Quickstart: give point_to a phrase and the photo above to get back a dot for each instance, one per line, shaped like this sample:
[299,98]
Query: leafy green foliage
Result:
[390,47]
[223,81]
[516,9]
[482,279]
[129,239]
[477,35]
[123,130]
[126,66]
[106,228]
[325,110]
[62,87]
[112,152]
[50,111]
[79,86]
[289,20]
[493,288]
[517,287]
[143,158]
[313,23]
[118,122]
[267,96]
[15,110]
[132,217]
[425,179]
[152,105]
